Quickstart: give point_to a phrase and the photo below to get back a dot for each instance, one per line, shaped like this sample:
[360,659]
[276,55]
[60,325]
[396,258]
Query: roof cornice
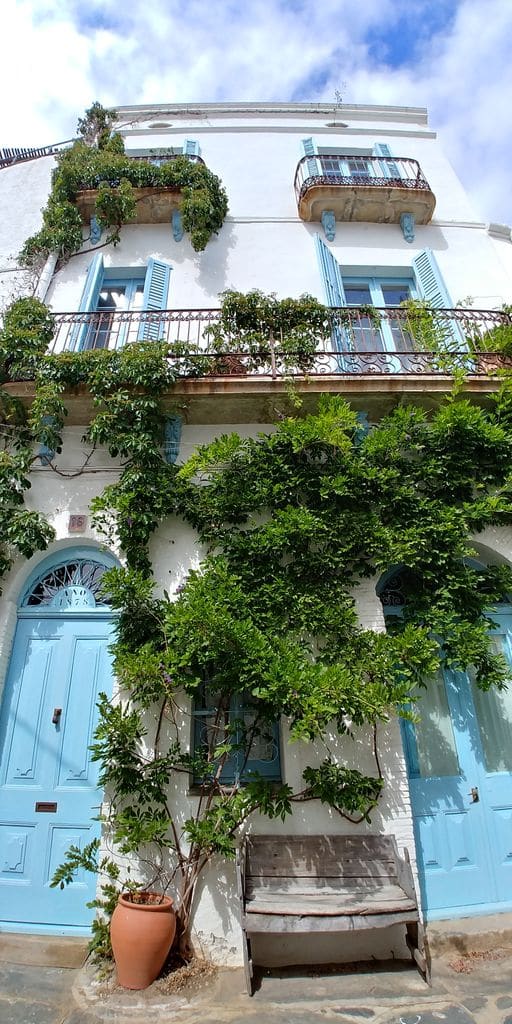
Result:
[359,112]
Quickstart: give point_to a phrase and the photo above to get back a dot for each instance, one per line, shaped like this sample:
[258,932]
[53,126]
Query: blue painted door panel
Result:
[56,663]
[464,846]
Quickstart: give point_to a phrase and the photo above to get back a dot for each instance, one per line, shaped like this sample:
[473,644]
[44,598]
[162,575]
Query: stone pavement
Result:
[466,989]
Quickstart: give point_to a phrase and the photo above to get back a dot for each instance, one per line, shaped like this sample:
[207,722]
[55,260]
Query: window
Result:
[115,296]
[389,335]
[163,155]
[255,743]
[343,288]
[111,292]
[357,164]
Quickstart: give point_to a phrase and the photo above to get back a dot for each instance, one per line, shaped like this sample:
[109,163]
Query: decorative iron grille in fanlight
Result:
[73,584]
[393,594]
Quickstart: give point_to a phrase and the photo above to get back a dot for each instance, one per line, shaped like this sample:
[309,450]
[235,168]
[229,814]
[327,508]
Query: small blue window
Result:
[256,747]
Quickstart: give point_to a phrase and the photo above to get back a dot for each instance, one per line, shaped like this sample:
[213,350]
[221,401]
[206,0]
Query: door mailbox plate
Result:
[48,808]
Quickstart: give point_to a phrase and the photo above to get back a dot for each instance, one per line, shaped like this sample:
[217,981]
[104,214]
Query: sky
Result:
[452,56]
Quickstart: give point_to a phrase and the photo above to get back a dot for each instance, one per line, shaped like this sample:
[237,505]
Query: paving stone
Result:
[23,1011]
[503,1002]
[352,1011]
[475,1002]
[445,1015]
[45,984]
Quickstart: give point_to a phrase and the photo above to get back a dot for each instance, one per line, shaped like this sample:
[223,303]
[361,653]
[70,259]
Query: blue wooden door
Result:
[48,784]
[460,775]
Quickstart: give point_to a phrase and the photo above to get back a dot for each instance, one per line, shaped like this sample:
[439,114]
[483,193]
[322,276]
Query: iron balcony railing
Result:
[354,169]
[16,155]
[352,340]
[165,158]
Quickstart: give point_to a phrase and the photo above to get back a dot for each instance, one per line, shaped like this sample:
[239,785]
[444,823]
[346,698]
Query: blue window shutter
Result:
[156,288]
[46,454]
[334,291]
[173,425]
[433,290]
[388,166]
[88,302]
[331,274]
[310,150]
[191,147]
[430,283]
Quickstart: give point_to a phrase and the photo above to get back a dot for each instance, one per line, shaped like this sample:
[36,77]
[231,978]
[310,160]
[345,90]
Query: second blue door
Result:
[460,776]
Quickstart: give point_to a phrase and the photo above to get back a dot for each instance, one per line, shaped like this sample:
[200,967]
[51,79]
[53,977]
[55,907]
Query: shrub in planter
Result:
[260,325]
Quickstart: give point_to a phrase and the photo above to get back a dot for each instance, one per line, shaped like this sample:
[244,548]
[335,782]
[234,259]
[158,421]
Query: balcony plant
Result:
[97,162]
[498,339]
[265,331]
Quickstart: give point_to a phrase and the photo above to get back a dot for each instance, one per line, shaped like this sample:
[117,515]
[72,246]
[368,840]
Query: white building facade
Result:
[354,205]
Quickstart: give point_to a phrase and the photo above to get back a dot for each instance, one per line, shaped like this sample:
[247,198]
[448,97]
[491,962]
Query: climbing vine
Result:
[291,522]
[97,161]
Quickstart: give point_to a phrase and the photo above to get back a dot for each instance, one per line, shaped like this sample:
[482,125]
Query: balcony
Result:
[154,204]
[376,190]
[373,357]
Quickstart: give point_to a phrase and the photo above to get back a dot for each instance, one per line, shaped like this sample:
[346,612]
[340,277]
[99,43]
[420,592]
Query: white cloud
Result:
[59,55]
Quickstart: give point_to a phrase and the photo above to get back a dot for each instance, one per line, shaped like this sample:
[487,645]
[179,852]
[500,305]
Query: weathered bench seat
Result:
[301,884]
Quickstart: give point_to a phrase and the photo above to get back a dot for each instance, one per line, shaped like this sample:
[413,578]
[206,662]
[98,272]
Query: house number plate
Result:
[46,807]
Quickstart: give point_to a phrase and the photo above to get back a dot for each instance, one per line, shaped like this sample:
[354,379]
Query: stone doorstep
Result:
[43,950]
[469,934]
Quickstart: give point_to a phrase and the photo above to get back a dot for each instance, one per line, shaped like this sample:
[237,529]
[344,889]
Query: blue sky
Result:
[452,56]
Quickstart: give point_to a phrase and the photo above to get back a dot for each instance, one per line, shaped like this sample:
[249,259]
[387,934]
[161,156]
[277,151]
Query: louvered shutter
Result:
[331,275]
[154,299]
[387,165]
[433,289]
[333,285]
[310,150]
[88,302]
[45,453]
[429,280]
[191,147]
[173,425]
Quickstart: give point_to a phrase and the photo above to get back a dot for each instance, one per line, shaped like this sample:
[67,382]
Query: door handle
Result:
[473,793]
[56,715]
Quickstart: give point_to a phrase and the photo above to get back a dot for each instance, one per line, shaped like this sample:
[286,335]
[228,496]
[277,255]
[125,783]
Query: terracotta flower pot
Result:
[142,934]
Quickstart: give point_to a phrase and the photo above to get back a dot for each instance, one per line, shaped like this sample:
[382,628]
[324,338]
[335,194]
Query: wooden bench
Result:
[306,884]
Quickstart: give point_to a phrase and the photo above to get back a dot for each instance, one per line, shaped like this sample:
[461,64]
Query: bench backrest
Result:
[321,856]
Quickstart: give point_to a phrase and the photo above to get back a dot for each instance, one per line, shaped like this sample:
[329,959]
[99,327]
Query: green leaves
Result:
[345,789]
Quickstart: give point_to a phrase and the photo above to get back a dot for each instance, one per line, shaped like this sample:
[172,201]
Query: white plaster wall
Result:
[24,188]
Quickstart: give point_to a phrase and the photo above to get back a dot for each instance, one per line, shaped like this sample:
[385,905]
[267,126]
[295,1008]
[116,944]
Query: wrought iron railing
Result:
[353,340]
[165,158]
[16,154]
[354,169]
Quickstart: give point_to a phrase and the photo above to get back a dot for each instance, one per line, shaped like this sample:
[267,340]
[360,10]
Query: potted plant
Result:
[261,331]
[136,926]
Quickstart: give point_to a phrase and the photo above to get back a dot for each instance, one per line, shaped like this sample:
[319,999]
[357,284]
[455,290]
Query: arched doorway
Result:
[48,783]
[459,762]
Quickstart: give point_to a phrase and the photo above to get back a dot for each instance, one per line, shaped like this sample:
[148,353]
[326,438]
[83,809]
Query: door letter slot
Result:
[48,808]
